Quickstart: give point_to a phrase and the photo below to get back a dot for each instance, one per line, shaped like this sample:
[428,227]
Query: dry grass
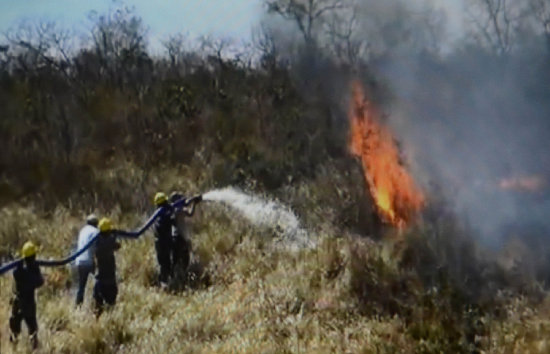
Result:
[347,295]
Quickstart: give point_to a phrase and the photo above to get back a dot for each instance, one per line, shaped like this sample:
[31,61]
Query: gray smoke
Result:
[470,111]
[472,119]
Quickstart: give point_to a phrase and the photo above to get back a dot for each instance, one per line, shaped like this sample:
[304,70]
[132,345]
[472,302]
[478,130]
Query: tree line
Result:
[272,110]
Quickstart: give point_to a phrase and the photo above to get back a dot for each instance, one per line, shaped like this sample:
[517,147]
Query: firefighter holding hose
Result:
[105,288]
[170,243]
[28,278]
[181,252]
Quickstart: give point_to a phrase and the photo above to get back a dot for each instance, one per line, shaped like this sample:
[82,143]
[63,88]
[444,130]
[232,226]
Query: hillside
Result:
[348,294]
[417,166]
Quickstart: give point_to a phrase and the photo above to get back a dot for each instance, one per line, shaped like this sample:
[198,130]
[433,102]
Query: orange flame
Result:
[525,183]
[394,191]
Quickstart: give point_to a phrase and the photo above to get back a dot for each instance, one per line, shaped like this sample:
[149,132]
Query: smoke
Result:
[469,109]
[472,118]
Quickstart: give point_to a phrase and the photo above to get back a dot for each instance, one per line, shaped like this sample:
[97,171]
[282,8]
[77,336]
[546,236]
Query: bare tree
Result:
[41,44]
[265,43]
[119,42]
[308,15]
[496,23]
[175,48]
[364,29]
[4,58]
[342,30]
[217,50]
[541,12]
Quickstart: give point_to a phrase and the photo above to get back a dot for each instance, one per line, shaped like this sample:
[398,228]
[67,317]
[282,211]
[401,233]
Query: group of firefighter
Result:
[101,239]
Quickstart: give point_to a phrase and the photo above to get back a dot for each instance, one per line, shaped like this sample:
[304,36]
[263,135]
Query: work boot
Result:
[13,339]
[34,341]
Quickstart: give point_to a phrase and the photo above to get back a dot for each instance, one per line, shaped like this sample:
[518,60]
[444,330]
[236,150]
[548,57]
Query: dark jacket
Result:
[27,278]
[105,248]
[163,226]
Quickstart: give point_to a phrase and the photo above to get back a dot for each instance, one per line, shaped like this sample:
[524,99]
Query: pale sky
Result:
[220,18]
[226,18]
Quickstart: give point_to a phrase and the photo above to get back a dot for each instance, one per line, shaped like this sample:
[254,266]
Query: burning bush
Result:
[393,189]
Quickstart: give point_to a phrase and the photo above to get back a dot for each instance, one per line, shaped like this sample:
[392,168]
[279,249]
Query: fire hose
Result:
[178,204]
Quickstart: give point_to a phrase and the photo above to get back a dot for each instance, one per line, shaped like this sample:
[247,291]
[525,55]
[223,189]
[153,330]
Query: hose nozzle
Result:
[196,199]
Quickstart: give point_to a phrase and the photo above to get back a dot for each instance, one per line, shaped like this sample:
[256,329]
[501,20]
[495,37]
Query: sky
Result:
[231,18]
[195,18]
[454,12]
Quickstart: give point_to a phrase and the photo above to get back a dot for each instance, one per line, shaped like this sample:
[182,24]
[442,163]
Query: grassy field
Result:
[103,126]
[349,294]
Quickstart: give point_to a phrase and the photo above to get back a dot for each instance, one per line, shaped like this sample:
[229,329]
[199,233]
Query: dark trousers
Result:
[84,270]
[23,311]
[105,293]
[164,260]
[180,252]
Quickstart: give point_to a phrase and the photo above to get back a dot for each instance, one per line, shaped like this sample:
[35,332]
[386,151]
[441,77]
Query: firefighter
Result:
[85,262]
[27,278]
[163,237]
[170,242]
[105,288]
[181,250]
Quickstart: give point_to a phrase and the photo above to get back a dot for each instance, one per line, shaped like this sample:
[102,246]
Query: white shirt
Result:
[85,235]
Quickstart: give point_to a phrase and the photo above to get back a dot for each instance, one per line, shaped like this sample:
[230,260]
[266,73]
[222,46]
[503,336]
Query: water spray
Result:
[256,210]
[263,213]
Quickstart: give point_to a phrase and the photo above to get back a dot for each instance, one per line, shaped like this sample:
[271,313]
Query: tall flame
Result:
[395,193]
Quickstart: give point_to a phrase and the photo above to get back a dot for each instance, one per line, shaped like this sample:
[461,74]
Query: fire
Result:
[525,183]
[394,191]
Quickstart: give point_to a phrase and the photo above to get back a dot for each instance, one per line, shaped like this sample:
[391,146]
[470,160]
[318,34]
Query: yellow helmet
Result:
[160,198]
[105,224]
[29,249]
